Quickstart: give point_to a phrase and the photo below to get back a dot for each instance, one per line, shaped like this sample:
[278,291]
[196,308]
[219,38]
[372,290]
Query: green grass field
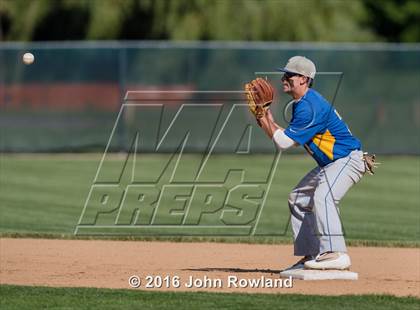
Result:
[21,297]
[43,195]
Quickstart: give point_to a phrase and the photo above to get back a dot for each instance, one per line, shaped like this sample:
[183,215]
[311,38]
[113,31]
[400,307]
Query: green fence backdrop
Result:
[69,99]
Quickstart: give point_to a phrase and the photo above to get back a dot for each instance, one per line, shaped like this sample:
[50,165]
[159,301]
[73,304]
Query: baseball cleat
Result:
[300,264]
[329,260]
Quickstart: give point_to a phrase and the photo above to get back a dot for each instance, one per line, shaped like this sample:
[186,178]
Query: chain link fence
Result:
[69,98]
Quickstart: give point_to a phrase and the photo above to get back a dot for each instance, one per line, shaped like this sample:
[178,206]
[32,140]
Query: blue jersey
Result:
[319,128]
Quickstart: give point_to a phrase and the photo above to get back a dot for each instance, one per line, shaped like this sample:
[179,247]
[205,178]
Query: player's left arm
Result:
[260,95]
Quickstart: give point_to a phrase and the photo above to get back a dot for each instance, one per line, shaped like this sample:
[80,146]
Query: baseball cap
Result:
[300,65]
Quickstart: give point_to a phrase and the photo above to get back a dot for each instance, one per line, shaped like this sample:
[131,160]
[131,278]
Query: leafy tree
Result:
[19,18]
[394,20]
[263,20]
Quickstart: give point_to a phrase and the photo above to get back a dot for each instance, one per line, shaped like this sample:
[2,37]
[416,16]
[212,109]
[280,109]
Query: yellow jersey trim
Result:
[325,143]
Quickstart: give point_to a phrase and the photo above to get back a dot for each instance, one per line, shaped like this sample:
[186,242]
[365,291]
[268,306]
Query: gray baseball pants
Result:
[314,202]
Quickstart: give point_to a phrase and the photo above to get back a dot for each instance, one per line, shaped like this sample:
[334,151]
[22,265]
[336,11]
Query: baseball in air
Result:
[28,58]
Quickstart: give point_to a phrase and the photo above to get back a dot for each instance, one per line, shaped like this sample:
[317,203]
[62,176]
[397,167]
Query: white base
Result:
[307,274]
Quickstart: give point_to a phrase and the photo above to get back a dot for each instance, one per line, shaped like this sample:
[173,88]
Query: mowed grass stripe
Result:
[28,297]
[45,194]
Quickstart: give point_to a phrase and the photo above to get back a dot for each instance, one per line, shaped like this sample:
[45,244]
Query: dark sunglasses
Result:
[288,75]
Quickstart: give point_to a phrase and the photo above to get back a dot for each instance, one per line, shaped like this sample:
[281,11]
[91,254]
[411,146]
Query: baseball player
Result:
[317,126]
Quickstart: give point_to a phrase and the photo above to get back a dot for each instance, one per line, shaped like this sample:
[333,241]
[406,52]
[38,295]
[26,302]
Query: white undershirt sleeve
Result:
[282,141]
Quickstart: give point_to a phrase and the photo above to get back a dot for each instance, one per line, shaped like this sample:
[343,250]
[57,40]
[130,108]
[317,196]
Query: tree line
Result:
[246,20]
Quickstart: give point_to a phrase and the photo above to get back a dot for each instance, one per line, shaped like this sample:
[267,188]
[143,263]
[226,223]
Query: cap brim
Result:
[285,70]
[293,72]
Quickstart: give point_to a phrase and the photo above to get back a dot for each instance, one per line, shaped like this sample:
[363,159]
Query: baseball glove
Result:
[260,95]
[370,163]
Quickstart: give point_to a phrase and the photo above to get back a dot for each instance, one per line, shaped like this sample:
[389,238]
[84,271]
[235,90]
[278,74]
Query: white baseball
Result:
[28,58]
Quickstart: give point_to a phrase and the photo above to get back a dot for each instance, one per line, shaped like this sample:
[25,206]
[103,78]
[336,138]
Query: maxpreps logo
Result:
[189,170]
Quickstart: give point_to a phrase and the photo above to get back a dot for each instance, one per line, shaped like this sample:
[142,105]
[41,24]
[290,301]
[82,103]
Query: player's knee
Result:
[292,200]
[300,202]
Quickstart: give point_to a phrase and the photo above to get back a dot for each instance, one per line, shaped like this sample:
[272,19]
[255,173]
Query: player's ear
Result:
[306,80]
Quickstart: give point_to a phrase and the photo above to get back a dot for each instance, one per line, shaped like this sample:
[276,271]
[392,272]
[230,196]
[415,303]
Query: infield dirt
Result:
[109,264]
